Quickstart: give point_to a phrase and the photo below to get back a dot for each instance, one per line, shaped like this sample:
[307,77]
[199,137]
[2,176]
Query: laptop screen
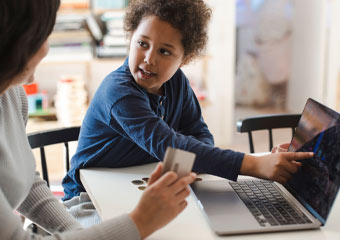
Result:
[317,182]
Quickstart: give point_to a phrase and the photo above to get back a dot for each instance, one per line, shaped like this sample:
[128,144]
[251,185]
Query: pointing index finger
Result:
[293,156]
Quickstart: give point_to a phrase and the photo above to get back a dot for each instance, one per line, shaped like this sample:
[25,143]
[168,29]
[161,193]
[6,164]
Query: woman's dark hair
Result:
[24,27]
[190,17]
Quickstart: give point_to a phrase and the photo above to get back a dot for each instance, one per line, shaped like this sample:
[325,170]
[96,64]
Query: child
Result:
[25,26]
[147,104]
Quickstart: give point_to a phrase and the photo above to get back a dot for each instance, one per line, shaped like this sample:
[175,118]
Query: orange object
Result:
[74,5]
[66,80]
[31,88]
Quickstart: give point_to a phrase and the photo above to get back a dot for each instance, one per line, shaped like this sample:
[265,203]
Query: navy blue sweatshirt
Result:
[127,126]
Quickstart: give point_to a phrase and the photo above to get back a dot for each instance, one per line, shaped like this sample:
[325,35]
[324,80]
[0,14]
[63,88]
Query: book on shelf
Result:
[111,52]
[86,33]
[107,31]
[70,39]
[79,35]
[95,27]
[73,53]
[69,22]
[115,40]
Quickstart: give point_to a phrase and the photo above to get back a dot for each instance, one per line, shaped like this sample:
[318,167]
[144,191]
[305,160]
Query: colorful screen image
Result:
[317,182]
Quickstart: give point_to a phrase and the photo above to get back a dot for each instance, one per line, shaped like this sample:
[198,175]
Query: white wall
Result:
[316,54]
[220,76]
[309,53]
[331,93]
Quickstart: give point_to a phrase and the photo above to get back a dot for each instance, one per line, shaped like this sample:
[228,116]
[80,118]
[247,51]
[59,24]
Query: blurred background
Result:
[263,56]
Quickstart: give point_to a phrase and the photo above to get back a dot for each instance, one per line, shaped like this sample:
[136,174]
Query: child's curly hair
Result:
[190,17]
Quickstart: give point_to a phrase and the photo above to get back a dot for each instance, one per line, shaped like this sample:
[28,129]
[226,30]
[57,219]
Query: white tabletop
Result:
[113,193]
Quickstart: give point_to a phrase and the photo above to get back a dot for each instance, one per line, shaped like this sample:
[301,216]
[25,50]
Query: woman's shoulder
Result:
[14,100]
[14,96]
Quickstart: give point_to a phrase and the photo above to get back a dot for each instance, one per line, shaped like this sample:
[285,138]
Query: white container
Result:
[71,100]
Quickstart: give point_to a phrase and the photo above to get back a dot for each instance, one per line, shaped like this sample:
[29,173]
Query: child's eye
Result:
[165,52]
[142,44]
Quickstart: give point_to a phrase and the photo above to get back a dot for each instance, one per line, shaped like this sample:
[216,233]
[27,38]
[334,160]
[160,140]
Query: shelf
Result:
[49,115]
[101,11]
[66,57]
[74,11]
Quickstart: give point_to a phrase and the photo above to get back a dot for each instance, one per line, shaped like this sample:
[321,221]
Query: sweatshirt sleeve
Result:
[192,122]
[119,228]
[44,209]
[136,121]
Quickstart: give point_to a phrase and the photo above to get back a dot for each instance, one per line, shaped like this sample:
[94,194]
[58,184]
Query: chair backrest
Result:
[49,137]
[267,122]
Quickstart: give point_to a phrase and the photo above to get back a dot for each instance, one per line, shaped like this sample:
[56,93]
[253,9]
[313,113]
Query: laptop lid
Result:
[317,182]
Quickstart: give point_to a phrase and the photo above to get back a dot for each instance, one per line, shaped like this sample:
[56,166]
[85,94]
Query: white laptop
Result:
[304,202]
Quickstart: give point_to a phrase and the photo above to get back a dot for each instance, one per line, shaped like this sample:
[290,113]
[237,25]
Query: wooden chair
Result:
[267,122]
[50,137]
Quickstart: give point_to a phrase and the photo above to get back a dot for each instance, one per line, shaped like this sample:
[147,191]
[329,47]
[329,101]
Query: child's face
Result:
[156,53]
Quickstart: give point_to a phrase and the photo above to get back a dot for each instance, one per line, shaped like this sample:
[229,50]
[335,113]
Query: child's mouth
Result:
[146,74]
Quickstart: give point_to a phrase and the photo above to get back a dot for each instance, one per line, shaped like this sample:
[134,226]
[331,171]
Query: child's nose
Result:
[150,58]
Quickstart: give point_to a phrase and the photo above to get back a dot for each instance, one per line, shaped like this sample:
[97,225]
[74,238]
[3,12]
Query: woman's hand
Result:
[162,201]
[276,166]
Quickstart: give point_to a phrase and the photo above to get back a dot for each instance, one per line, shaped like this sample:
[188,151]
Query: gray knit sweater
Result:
[23,190]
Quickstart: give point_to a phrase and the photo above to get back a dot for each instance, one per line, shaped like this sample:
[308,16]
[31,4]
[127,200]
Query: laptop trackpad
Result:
[225,210]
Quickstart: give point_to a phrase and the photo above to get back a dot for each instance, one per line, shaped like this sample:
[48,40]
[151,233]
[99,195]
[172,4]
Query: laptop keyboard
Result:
[266,203]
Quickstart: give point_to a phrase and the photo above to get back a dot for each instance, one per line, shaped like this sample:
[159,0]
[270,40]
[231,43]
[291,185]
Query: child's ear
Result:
[185,61]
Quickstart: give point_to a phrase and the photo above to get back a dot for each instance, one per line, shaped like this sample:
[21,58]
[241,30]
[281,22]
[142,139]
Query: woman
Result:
[25,26]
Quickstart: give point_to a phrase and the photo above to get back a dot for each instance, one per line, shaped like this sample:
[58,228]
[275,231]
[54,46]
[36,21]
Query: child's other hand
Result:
[281,148]
[162,201]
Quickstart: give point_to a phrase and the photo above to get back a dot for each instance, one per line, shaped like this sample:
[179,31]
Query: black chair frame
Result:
[50,137]
[267,122]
